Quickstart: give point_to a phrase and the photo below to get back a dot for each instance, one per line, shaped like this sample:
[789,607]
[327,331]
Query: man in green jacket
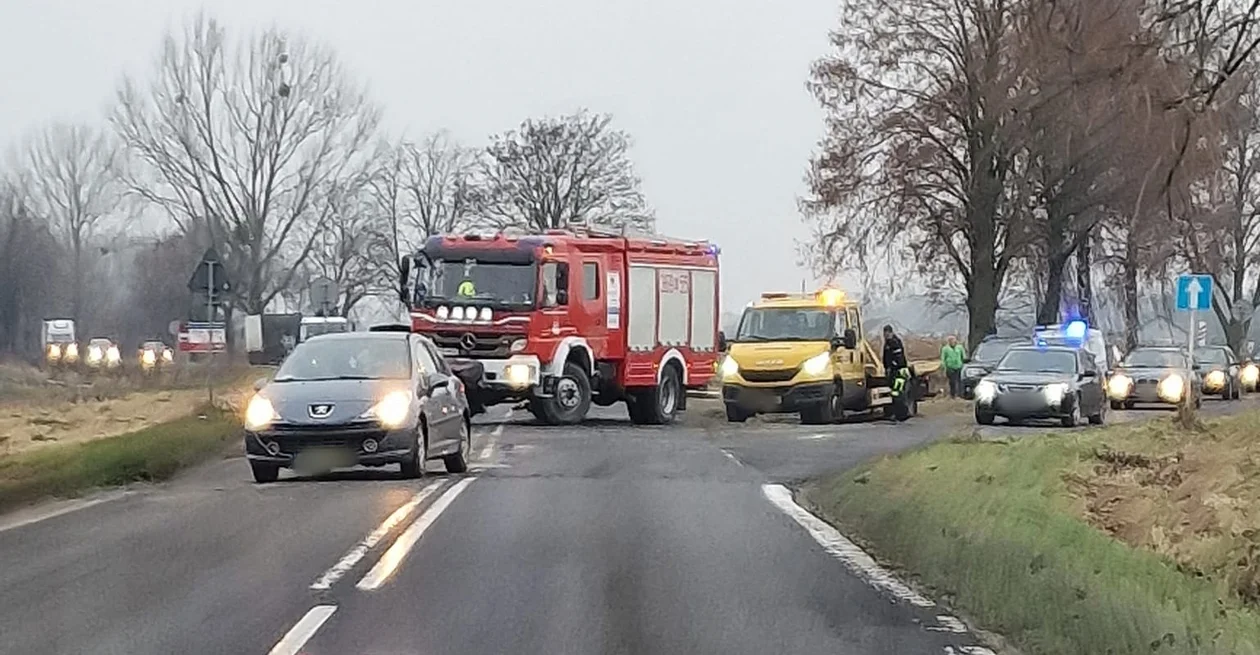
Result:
[952,355]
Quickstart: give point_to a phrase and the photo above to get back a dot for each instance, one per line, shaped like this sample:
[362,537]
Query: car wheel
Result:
[572,399]
[458,463]
[828,411]
[264,472]
[1117,404]
[983,417]
[735,414]
[1073,419]
[1100,417]
[414,466]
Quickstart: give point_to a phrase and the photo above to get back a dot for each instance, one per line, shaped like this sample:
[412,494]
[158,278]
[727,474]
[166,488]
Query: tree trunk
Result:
[1084,280]
[1048,312]
[1129,289]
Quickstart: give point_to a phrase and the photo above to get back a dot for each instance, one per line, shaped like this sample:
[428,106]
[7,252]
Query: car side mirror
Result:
[850,339]
[722,343]
[259,384]
[837,343]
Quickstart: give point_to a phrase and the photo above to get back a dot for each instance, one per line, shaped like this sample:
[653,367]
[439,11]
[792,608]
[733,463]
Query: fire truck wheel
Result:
[538,408]
[572,399]
[659,406]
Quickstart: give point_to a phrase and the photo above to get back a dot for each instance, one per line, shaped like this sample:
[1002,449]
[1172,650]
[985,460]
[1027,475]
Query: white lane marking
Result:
[854,558]
[968,650]
[487,451]
[37,514]
[949,624]
[303,630]
[394,557]
[813,437]
[332,575]
[731,456]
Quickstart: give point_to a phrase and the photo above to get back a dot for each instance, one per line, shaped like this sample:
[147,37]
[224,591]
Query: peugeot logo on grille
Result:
[320,410]
[468,341]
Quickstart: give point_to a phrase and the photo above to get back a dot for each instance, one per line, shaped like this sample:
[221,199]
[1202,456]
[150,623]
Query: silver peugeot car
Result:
[358,398]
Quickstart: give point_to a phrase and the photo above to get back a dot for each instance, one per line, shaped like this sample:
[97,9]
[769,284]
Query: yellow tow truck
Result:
[806,353]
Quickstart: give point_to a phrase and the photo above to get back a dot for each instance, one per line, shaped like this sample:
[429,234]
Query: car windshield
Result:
[1038,361]
[786,324]
[991,351]
[1156,359]
[1213,356]
[473,282]
[368,358]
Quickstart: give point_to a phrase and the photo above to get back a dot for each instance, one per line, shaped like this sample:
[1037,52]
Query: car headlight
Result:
[259,413]
[112,355]
[443,313]
[1171,388]
[985,391]
[517,346]
[95,354]
[1251,374]
[167,355]
[148,358]
[1216,378]
[393,410]
[1119,386]
[729,367]
[72,351]
[54,351]
[973,372]
[1054,392]
[817,365]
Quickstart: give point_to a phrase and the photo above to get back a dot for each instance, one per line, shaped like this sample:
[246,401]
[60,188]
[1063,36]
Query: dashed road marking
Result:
[393,558]
[949,624]
[487,451]
[303,630]
[968,650]
[731,456]
[332,575]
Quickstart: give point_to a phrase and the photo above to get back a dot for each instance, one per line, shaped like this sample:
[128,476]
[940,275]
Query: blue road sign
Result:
[1194,292]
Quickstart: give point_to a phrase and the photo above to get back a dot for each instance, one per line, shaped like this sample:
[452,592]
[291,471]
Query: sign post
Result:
[1194,294]
[208,278]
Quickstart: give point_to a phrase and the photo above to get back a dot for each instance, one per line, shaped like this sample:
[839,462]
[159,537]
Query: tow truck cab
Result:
[570,318]
[806,354]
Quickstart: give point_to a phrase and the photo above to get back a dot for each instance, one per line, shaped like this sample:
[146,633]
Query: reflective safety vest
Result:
[467,288]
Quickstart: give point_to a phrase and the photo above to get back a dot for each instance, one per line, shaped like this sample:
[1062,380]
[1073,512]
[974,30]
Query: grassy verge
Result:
[151,454]
[1138,538]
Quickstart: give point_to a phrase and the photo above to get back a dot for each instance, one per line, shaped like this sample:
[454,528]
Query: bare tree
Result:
[31,283]
[354,245]
[239,141]
[914,166]
[559,172]
[68,178]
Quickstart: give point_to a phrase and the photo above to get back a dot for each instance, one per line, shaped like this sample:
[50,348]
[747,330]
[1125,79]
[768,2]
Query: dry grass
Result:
[1134,538]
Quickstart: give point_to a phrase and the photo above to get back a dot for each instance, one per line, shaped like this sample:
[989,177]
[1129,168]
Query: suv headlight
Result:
[985,391]
[259,413]
[729,368]
[817,365]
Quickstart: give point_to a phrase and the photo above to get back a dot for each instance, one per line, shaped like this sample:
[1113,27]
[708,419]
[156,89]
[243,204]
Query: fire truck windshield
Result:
[473,282]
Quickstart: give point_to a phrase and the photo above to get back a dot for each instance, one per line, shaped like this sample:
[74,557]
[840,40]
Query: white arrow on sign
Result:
[1193,289]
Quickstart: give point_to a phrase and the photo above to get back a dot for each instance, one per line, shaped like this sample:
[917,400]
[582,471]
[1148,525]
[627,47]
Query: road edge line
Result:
[393,558]
[360,550]
[302,631]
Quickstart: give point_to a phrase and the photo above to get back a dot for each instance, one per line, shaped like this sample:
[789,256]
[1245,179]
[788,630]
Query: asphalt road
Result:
[599,539]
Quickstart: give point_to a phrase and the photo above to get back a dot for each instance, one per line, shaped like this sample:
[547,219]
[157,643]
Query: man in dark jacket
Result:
[894,354]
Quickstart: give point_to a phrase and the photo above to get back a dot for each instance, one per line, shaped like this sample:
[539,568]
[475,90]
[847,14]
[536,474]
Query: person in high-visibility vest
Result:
[467,289]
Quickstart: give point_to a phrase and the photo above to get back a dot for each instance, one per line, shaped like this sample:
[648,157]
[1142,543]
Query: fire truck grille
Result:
[773,375]
[483,345]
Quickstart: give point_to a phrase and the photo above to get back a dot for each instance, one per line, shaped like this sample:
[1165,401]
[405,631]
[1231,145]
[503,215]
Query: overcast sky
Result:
[712,90]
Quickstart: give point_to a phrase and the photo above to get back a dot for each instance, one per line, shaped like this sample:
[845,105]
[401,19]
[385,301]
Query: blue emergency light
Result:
[1076,330]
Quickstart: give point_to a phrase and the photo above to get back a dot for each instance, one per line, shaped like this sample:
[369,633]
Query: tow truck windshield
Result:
[476,283]
[786,324]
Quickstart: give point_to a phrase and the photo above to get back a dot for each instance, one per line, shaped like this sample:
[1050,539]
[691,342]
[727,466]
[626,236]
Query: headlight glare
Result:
[518,375]
[1119,386]
[1251,374]
[259,413]
[729,367]
[817,365]
[1172,388]
[1216,378]
[1055,392]
[985,391]
[394,409]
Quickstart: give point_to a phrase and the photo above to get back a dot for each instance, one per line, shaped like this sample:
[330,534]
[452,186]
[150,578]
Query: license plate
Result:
[323,459]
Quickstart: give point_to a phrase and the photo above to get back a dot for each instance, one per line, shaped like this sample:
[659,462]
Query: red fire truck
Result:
[565,318]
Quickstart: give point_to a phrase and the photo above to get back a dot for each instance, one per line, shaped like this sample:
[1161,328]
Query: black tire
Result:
[983,417]
[659,406]
[1074,419]
[264,472]
[1100,417]
[560,413]
[828,411]
[1117,404]
[736,415]
[414,466]
[1128,404]
[458,463]
[538,408]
